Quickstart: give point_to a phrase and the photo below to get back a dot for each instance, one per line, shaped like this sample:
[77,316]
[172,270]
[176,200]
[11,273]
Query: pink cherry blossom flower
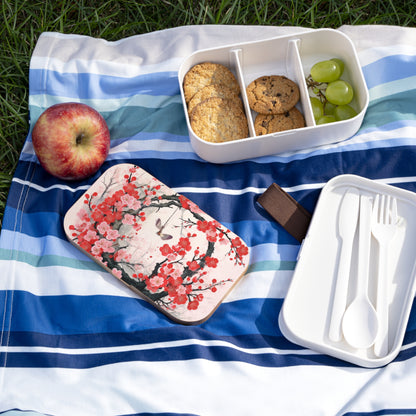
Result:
[181,290]
[96,250]
[136,205]
[83,215]
[155,283]
[112,234]
[117,273]
[105,245]
[121,254]
[128,219]
[127,199]
[171,257]
[211,234]
[194,207]
[91,235]
[176,272]
[103,227]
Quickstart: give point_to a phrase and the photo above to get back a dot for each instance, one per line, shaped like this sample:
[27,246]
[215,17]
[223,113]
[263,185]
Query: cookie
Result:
[272,123]
[219,120]
[206,73]
[272,94]
[213,90]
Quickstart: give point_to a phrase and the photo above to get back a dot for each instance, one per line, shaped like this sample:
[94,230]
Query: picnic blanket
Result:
[74,341]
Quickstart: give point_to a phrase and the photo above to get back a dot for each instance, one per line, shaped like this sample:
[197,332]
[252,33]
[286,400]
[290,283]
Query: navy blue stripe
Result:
[406,354]
[34,225]
[374,163]
[23,412]
[386,412]
[161,414]
[242,323]
[113,314]
[144,337]
[180,353]
[58,201]
[38,225]
[184,353]
[249,323]
[27,412]
[382,163]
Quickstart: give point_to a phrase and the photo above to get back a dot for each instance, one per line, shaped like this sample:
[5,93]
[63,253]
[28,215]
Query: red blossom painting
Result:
[158,242]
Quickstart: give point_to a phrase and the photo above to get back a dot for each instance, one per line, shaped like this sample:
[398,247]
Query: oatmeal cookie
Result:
[219,120]
[206,73]
[213,90]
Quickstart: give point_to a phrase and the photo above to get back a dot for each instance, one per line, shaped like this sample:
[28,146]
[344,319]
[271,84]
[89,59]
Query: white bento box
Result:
[292,56]
[313,303]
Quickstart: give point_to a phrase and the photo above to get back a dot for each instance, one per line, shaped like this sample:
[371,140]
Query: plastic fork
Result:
[383,228]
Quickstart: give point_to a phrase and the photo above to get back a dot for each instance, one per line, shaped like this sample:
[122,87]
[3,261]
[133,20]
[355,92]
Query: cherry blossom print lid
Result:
[157,242]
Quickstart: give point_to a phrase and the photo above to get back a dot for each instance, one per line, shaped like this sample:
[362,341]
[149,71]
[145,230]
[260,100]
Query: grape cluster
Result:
[330,95]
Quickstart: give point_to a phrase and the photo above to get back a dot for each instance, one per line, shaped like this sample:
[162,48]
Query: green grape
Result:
[317,108]
[344,112]
[325,71]
[340,63]
[339,92]
[326,119]
[329,109]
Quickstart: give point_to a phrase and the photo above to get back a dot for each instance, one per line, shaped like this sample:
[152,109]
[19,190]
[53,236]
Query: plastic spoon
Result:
[360,322]
[347,224]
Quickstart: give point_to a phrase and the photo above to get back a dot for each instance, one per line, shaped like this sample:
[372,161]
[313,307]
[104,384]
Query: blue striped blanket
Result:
[74,341]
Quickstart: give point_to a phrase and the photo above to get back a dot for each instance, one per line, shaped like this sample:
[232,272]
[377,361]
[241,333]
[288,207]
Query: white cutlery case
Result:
[309,304]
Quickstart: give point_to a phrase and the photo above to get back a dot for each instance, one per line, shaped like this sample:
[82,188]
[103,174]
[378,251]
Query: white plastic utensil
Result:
[383,227]
[360,321]
[347,224]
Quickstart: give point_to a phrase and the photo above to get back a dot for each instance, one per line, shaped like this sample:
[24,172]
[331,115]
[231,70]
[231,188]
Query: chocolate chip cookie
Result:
[272,123]
[272,94]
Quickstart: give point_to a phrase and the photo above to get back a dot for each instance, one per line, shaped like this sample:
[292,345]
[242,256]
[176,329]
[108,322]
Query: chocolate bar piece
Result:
[292,216]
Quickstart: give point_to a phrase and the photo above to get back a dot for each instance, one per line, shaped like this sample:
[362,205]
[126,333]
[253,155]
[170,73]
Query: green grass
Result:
[24,20]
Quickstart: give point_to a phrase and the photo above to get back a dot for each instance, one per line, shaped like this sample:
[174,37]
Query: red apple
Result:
[71,140]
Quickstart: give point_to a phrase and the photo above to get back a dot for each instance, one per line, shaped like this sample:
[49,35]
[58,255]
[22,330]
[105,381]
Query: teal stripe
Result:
[130,121]
[47,260]
[54,260]
[270,265]
[395,107]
